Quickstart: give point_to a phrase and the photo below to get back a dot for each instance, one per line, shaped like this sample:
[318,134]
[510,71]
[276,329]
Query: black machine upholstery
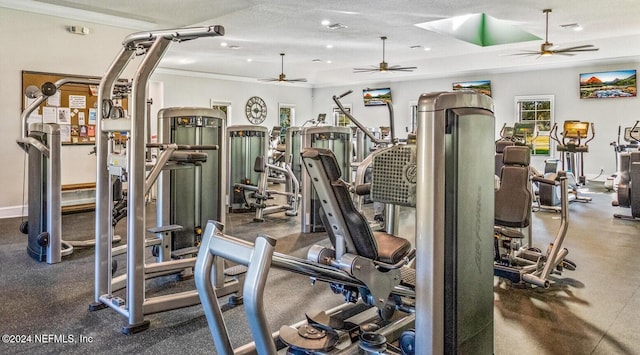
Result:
[500,145]
[513,199]
[336,198]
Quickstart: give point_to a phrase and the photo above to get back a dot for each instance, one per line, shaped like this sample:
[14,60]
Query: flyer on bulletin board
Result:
[92,116]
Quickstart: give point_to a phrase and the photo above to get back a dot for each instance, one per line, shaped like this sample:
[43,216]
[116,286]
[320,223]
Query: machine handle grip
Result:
[198,147]
[362,190]
[593,133]
[345,94]
[633,130]
[544,181]
[183,146]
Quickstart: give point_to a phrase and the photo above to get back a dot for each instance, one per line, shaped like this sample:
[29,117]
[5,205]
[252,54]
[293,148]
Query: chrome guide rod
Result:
[54,195]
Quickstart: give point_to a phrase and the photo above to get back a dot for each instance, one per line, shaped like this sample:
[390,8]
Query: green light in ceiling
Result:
[480,29]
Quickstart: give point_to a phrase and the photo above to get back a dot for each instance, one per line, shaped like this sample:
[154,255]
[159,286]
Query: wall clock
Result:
[256,110]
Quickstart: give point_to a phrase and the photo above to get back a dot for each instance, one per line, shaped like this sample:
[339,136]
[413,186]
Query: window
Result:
[224,106]
[339,118]
[286,118]
[534,120]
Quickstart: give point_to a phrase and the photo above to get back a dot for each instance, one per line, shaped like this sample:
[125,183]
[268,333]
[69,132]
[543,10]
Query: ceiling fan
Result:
[384,66]
[547,48]
[282,77]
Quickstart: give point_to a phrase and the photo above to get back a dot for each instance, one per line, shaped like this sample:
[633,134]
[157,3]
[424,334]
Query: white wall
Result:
[41,43]
[607,114]
[199,90]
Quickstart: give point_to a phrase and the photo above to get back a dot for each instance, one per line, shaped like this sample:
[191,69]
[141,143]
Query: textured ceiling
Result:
[261,29]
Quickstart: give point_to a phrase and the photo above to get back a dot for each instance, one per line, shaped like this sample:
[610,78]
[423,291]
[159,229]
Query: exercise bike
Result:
[518,263]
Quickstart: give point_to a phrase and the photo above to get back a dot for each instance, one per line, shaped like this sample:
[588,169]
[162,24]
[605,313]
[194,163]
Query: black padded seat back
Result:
[518,156]
[513,199]
[500,145]
[258,164]
[339,215]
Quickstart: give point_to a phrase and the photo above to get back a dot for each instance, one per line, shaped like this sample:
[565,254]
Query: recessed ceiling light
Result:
[223,44]
[329,46]
[572,26]
[249,60]
[329,62]
[427,49]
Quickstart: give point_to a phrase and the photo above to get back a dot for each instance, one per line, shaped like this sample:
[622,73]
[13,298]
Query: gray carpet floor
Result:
[592,310]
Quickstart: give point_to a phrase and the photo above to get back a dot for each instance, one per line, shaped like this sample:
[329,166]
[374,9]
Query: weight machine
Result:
[452,284]
[131,166]
[42,143]
[251,172]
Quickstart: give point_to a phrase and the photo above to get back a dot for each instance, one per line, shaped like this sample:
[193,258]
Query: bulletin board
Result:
[74,107]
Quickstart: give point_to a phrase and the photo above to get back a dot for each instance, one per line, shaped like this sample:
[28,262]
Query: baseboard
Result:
[13,211]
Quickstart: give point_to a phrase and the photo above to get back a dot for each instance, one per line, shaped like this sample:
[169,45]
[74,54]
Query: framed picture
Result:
[376,97]
[608,84]
[481,86]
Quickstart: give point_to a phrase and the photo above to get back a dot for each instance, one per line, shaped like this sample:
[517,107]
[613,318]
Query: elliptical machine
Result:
[630,137]
[629,171]
[572,147]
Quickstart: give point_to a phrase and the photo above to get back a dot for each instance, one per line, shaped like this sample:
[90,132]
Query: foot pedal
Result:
[235,271]
[181,253]
[117,301]
[408,276]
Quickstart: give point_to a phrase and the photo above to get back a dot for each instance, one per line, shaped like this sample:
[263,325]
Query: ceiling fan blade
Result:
[573,49]
[364,70]
[580,47]
[300,80]
[397,67]
[269,79]
[563,53]
[527,53]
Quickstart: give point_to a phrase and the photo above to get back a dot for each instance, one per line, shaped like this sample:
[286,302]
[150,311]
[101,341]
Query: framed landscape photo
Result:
[376,97]
[481,86]
[608,84]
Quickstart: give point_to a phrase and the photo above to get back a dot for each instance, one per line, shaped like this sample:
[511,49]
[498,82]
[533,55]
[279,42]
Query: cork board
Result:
[74,107]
